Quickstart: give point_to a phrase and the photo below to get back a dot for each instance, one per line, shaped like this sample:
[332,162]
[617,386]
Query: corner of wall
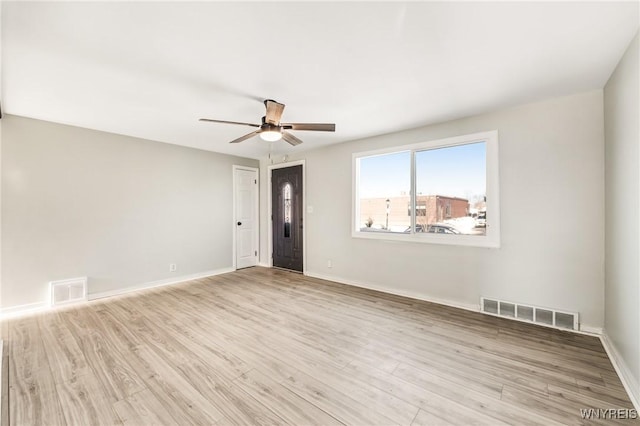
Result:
[0,208]
[621,103]
[631,385]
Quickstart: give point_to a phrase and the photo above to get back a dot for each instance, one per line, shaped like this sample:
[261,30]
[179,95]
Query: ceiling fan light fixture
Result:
[271,135]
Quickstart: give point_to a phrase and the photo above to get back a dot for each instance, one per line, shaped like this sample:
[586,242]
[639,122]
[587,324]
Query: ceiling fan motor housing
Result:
[272,129]
[269,127]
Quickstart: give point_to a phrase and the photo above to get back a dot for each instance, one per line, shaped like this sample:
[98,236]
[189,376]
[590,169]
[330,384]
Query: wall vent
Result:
[68,291]
[534,314]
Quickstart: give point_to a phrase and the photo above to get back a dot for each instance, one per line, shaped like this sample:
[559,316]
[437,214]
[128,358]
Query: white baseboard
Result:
[31,308]
[584,329]
[629,382]
[19,310]
[404,293]
[591,330]
[159,283]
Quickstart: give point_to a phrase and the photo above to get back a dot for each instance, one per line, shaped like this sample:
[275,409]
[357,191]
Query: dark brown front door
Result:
[286,208]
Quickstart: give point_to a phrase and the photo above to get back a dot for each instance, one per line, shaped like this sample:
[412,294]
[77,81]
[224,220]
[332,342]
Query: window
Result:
[286,209]
[443,192]
[421,208]
[382,200]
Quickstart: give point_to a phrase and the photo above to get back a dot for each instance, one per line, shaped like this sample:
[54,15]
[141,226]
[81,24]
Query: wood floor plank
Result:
[524,355]
[526,373]
[616,397]
[425,418]
[143,408]
[429,402]
[331,400]
[34,400]
[385,403]
[199,343]
[174,390]
[65,358]
[449,366]
[476,400]
[26,348]
[578,400]
[265,346]
[566,349]
[108,362]
[271,334]
[559,409]
[4,400]
[231,401]
[82,402]
[611,380]
[284,403]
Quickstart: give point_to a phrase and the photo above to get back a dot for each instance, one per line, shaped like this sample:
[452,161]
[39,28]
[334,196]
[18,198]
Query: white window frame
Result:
[492,237]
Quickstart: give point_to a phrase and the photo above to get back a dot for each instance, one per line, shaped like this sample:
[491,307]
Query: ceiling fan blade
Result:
[229,122]
[274,111]
[319,127]
[247,136]
[291,139]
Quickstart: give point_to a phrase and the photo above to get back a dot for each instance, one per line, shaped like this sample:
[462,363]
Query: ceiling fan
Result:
[272,129]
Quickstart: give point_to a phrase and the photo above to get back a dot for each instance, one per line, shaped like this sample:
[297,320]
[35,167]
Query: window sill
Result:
[429,238]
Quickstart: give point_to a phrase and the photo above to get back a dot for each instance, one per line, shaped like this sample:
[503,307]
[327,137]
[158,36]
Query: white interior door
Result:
[246,217]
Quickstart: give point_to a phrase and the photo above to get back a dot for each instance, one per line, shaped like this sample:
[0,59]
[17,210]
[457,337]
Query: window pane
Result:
[286,209]
[451,187]
[385,183]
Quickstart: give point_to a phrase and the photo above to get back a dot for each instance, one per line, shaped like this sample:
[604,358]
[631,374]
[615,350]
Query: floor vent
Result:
[534,314]
[68,291]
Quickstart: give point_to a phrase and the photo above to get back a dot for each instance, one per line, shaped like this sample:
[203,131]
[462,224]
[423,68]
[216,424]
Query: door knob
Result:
[239,223]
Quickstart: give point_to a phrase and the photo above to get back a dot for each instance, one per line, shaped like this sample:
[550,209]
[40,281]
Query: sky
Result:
[458,171]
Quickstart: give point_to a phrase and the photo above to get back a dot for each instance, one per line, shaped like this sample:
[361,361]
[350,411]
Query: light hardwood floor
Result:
[263,346]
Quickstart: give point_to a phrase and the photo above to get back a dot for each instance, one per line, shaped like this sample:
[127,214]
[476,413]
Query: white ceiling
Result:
[152,69]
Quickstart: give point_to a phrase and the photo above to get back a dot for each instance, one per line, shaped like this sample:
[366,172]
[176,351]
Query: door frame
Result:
[304,211]
[256,233]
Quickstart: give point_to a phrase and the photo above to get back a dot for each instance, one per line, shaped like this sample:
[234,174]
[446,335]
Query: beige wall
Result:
[622,142]
[77,202]
[551,152]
